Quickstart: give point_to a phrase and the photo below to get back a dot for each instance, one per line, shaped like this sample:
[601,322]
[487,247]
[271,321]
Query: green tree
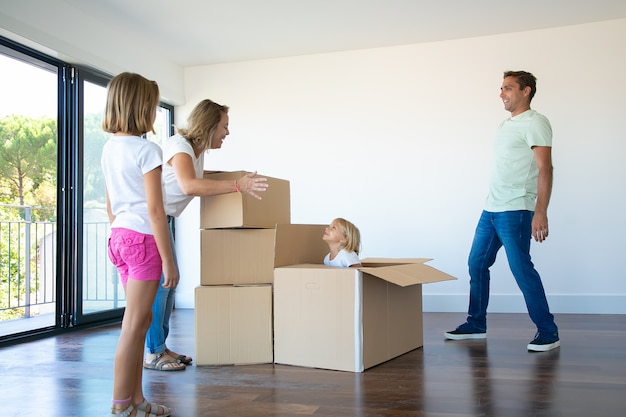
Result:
[28,176]
[93,180]
[28,159]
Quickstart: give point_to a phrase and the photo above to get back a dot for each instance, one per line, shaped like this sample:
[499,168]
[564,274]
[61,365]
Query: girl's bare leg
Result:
[130,347]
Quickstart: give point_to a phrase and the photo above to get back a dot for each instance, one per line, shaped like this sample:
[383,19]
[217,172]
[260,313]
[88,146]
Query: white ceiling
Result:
[199,32]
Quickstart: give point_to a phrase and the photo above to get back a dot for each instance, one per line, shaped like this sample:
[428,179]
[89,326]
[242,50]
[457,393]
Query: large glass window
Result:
[54,267]
[28,192]
[100,285]
[101,289]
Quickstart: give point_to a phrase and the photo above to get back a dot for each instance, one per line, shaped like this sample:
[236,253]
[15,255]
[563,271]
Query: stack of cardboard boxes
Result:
[233,304]
[265,295]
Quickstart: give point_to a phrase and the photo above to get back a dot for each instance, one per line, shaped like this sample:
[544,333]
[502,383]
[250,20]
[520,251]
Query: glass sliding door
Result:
[54,266]
[28,192]
[99,293]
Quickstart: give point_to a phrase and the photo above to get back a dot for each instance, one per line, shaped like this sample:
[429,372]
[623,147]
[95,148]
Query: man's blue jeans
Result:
[511,229]
[162,308]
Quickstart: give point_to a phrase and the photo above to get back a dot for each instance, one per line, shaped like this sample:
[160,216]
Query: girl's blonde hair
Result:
[352,234]
[131,104]
[201,124]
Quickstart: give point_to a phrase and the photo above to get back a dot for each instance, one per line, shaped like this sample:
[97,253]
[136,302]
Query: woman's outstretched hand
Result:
[251,184]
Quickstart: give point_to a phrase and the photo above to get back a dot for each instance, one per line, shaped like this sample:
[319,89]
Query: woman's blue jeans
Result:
[162,308]
[511,229]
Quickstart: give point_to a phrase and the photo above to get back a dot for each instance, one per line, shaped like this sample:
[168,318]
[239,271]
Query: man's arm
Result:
[543,158]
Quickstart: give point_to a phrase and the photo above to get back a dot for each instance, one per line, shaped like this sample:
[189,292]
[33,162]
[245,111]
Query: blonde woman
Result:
[183,169]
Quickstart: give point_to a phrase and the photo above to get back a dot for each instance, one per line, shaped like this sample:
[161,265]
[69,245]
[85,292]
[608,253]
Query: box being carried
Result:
[348,319]
[241,209]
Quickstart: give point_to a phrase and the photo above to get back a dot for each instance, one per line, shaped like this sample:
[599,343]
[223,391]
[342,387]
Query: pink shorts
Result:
[135,255]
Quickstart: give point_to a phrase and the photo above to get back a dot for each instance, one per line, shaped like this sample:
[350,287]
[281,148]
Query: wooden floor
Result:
[71,375]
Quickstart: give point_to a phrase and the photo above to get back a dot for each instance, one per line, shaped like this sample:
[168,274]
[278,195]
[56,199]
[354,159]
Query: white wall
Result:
[398,140]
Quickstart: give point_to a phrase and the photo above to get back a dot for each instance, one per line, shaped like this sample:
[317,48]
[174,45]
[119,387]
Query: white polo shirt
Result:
[513,184]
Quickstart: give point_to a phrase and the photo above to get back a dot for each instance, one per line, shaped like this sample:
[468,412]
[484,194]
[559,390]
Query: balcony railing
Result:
[27,261]
[28,256]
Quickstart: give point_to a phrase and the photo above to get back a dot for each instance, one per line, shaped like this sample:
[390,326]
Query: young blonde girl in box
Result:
[344,242]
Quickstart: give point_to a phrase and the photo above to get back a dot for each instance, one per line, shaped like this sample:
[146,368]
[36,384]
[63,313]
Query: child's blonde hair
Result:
[352,234]
[131,104]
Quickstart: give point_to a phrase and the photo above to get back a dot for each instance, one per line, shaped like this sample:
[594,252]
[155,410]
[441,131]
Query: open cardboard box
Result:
[347,319]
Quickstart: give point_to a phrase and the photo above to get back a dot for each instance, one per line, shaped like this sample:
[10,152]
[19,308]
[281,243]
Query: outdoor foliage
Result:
[28,209]
[28,173]
[28,160]
[93,180]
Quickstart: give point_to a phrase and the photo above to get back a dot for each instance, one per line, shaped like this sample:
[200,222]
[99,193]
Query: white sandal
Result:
[141,413]
[125,413]
[142,407]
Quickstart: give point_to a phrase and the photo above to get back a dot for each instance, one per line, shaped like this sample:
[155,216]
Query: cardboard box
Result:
[248,256]
[233,325]
[349,319]
[243,210]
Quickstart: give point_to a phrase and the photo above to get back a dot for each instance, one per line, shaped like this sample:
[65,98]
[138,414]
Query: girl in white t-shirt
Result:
[139,245]
[344,241]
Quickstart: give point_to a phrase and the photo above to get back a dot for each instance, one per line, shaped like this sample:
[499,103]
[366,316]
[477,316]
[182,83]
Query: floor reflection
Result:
[513,389]
[541,389]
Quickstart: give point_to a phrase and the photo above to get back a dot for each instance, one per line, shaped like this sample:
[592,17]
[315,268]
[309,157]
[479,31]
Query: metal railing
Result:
[27,260]
[28,257]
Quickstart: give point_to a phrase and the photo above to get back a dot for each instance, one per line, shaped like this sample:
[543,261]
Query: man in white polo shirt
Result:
[515,211]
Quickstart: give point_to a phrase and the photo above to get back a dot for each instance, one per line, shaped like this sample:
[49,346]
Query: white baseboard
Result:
[457,303]
[506,303]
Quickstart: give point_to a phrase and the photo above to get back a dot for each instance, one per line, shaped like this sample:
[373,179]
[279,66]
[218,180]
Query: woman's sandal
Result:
[147,407]
[142,410]
[159,363]
[124,413]
[180,358]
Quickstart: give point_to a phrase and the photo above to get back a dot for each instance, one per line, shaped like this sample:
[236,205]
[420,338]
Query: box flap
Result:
[407,274]
[299,244]
[393,261]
